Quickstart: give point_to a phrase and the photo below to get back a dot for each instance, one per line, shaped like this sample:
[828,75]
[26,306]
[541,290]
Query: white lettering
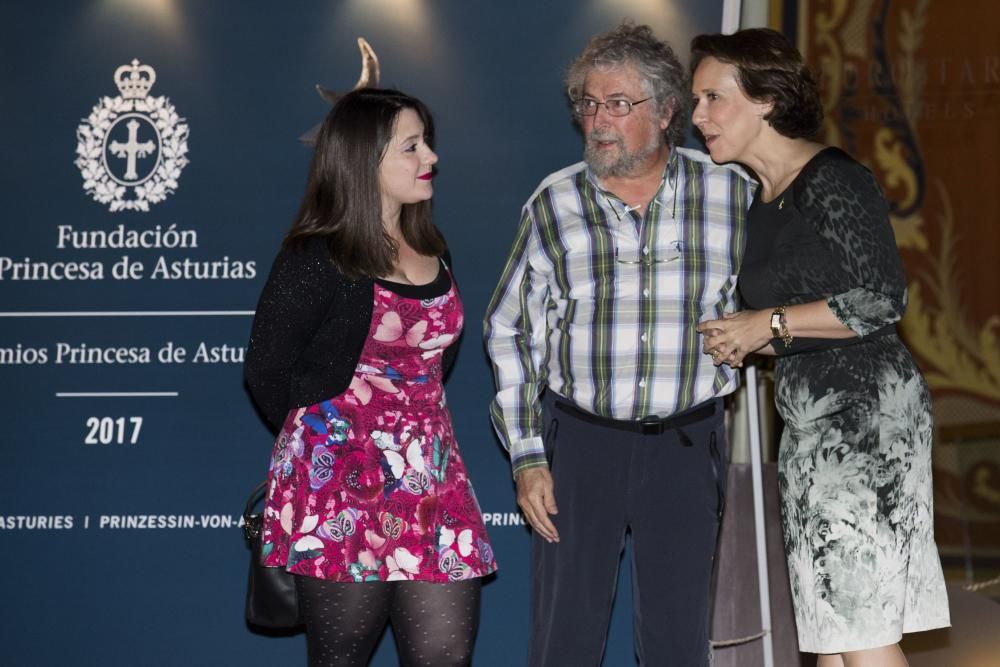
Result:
[120,237]
[170,521]
[188,269]
[504,519]
[12,356]
[43,522]
[216,521]
[225,354]
[27,269]
[81,354]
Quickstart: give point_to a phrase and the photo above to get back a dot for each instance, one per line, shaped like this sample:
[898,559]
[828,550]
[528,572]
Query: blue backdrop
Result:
[118,513]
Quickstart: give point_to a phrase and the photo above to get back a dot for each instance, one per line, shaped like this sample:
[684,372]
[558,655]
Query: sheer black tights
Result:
[434,624]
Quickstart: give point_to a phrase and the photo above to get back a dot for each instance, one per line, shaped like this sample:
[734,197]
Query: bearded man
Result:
[604,400]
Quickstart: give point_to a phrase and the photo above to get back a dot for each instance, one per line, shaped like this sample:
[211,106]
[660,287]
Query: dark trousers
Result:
[668,490]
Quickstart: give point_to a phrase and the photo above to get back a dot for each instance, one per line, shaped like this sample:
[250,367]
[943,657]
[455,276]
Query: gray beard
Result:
[621,166]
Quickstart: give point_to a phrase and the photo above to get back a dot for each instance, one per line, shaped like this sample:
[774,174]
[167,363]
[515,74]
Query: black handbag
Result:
[271,598]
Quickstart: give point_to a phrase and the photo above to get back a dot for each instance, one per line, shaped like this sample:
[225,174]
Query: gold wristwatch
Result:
[779,326]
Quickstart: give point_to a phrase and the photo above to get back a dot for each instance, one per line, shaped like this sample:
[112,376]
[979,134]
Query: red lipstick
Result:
[426,177]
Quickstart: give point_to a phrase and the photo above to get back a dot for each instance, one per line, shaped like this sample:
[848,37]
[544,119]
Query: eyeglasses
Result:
[616,107]
[673,253]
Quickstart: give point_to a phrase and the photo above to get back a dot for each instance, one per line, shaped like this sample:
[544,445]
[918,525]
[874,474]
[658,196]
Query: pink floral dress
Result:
[369,485]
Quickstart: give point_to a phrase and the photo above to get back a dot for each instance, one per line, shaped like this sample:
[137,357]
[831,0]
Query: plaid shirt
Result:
[600,305]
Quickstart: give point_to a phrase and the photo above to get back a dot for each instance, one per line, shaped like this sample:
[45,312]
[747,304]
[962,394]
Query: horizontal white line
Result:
[127,313]
[115,394]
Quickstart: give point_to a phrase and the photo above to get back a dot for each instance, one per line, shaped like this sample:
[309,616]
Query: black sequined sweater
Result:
[309,329]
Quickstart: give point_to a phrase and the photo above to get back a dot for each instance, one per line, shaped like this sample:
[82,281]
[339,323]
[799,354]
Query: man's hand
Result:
[537,500]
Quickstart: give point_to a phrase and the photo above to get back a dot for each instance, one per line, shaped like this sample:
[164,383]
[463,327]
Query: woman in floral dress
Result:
[368,502]
[823,287]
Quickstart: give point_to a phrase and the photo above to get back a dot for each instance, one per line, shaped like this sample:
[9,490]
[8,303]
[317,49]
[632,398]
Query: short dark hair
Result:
[658,67]
[343,198]
[769,69]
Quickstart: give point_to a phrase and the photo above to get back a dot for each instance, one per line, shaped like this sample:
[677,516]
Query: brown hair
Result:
[769,69]
[343,201]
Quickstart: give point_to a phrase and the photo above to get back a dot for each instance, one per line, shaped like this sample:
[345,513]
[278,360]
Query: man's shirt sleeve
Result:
[515,332]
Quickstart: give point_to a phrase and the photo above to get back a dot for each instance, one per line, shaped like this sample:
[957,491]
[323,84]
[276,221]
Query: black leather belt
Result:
[646,425]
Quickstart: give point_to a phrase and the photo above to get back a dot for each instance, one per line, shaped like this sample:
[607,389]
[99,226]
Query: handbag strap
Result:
[252,500]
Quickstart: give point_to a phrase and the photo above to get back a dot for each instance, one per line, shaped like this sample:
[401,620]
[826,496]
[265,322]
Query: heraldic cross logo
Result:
[132,148]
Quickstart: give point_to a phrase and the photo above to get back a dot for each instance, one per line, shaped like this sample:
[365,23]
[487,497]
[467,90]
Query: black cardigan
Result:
[308,332]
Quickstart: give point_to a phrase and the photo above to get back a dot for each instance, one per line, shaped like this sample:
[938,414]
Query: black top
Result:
[437,287]
[310,327]
[826,237]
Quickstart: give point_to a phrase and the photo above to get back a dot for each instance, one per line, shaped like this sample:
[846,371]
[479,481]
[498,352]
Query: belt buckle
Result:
[650,426]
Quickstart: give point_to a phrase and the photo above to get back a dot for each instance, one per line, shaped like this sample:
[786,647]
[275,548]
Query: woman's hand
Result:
[735,336]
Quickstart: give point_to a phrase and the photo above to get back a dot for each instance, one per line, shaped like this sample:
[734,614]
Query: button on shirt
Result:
[600,304]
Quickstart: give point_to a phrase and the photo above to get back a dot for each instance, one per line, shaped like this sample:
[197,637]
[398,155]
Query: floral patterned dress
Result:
[370,485]
[854,467]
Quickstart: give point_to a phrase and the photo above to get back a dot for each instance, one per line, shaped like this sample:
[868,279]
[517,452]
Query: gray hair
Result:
[661,73]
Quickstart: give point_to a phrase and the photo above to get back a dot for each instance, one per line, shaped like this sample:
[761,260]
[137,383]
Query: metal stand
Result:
[760,527]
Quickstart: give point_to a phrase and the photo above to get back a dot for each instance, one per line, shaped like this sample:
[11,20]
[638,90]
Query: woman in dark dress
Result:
[823,287]
[368,501]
